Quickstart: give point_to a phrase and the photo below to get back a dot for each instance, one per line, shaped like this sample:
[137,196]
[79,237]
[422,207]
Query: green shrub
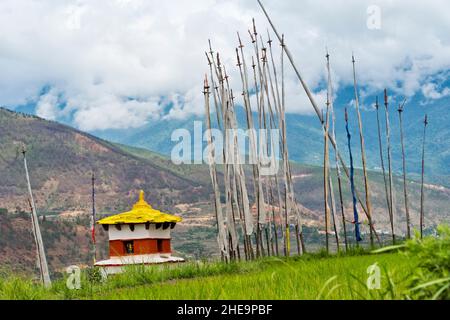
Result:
[431,280]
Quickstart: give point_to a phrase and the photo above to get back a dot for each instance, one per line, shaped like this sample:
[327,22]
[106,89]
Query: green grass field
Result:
[308,277]
[327,278]
[416,269]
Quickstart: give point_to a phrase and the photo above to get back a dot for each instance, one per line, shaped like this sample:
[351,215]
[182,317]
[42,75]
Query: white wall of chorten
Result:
[140,232]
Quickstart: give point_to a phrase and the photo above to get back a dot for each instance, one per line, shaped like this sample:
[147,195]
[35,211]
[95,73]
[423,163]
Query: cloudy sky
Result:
[117,63]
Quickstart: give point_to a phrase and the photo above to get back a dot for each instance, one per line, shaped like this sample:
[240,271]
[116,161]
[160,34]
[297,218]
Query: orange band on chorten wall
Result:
[141,246]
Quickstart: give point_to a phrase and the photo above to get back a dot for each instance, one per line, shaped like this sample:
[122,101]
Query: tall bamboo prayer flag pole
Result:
[93,220]
[273,118]
[391,182]
[287,205]
[330,117]
[38,259]
[270,145]
[380,145]
[352,182]
[363,153]
[260,205]
[338,167]
[422,200]
[405,191]
[265,145]
[325,180]
[333,208]
[45,276]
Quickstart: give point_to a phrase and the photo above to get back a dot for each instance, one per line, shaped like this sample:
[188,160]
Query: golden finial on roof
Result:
[141,204]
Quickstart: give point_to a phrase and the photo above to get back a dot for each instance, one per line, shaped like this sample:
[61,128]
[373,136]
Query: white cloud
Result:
[47,105]
[97,54]
[106,111]
[430,91]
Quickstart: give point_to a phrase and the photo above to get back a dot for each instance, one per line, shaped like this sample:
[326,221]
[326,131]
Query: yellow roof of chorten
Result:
[142,212]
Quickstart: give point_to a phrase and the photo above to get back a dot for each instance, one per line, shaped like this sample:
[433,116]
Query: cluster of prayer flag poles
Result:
[275,204]
[276,191]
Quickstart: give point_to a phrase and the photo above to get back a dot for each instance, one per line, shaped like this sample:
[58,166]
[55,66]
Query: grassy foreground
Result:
[309,277]
[417,269]
[326,278]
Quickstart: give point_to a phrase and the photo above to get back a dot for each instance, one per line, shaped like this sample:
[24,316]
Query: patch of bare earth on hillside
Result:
[195,215]
[71,214]
[89,144]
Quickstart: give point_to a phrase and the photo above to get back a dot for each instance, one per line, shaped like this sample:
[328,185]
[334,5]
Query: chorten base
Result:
[118,264]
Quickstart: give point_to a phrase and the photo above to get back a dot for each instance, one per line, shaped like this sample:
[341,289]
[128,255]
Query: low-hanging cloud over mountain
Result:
[118,63]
